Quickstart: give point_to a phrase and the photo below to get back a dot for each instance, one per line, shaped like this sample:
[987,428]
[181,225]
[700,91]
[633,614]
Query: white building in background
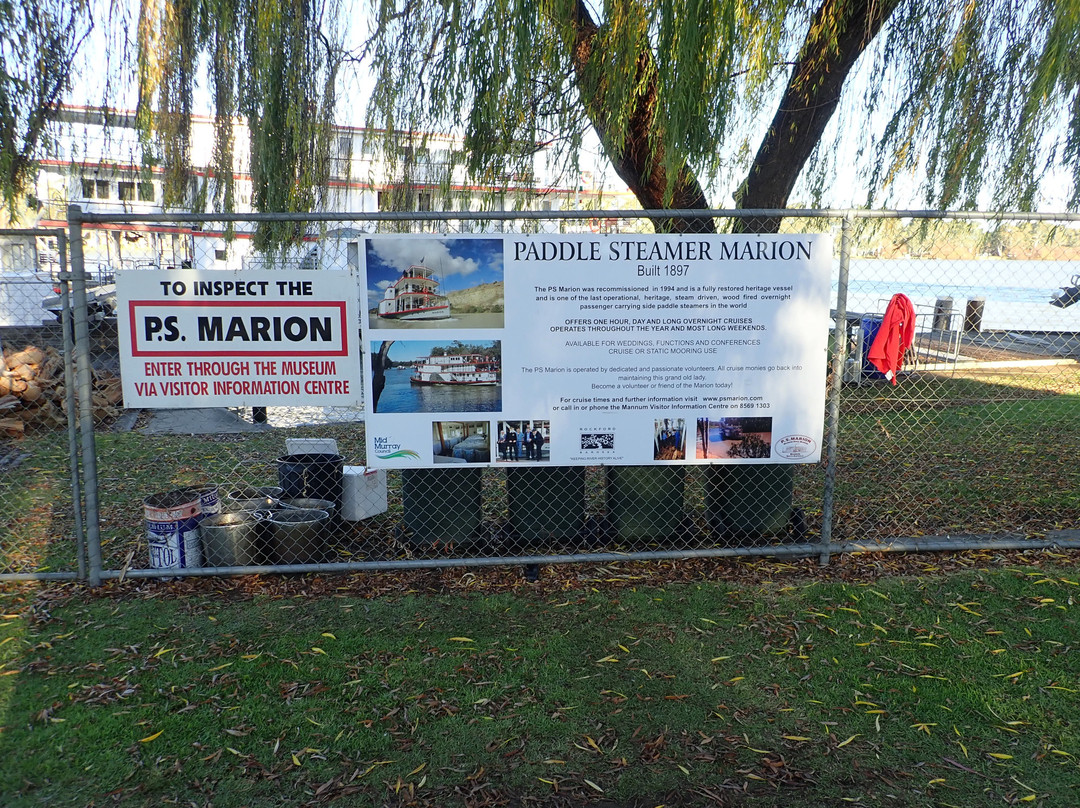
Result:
[97,164]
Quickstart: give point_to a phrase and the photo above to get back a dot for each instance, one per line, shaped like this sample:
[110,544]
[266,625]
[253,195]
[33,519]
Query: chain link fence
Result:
[41,515]
[974,446]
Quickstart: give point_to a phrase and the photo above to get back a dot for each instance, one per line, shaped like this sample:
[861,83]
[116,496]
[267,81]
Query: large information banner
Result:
[228,339]
[584,350]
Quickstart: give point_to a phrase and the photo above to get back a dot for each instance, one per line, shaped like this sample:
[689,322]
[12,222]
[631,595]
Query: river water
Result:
[1016,293]
[487,320]
[400,395]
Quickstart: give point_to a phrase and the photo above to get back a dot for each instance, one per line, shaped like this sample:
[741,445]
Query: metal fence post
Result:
[832,421]
[69,400]
[84,382]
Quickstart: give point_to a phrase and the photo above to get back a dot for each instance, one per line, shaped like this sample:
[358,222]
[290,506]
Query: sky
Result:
[845,189]
[460,263]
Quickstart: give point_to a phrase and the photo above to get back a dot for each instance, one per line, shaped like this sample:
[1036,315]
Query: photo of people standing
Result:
[523,441]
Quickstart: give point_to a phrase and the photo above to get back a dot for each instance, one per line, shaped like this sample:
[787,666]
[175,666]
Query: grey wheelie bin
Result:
[750,501]
[645,503]
[441,505]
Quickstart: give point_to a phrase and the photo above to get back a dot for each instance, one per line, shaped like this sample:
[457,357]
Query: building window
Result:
[14,257]
[125,191]
[385,200]
[220,255]
[344,147]
[423,201]
[95,189]
[146,192]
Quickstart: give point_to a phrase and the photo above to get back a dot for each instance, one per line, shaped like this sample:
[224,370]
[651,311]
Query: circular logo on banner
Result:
[795,447]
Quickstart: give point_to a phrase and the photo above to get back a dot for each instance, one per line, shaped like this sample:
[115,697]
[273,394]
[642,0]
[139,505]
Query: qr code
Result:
[597,440]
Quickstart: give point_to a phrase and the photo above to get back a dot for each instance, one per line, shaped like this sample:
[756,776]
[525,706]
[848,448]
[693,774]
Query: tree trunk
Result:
[811,98]
[838,34]
[640,160]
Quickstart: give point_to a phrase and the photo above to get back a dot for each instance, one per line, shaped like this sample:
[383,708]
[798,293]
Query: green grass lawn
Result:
[943,690]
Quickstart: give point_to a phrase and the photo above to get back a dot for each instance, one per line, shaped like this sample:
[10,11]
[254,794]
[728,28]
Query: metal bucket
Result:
[172,529]
[310,504]
[298,537]
[231,539]
[252,499]
[311,475]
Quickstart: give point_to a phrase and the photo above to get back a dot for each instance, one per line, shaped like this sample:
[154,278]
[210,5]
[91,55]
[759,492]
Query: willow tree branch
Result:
[839,33]
[637,153]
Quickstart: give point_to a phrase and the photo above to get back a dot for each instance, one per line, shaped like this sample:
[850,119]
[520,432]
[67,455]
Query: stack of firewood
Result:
[32,393]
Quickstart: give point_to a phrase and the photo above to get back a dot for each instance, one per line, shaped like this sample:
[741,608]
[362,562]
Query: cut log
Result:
[105,413]
[113,391]
[51,414]
[30,355]
[32,392]
[12,426]
[26,372]
[53,368]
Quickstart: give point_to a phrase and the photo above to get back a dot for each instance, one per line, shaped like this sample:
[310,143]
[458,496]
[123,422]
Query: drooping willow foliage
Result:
[502,73]
[987,99]
[271,63]
[974,98]
[38,39]
[692,99]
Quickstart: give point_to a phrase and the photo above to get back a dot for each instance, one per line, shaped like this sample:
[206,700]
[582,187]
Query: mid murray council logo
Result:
[386,449]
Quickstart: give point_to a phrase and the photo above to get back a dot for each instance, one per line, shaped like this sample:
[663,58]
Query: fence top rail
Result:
[31,231]
[75,213]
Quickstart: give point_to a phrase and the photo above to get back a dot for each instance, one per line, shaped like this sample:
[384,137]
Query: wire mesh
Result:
[977,437]
[37,514]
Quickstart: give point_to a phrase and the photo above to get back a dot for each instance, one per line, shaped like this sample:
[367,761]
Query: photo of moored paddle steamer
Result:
[425,283]
[412,376]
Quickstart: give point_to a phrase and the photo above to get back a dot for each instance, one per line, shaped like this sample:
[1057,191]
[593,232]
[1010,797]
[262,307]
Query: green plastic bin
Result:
[645,502]
[749,500]
[546,503]
[441,505]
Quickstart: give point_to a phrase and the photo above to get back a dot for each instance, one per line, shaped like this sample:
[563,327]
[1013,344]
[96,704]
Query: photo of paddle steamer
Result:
[467,369]
[415,296]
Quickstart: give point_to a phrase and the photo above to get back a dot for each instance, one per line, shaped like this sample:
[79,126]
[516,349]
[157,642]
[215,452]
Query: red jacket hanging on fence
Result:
[894,337]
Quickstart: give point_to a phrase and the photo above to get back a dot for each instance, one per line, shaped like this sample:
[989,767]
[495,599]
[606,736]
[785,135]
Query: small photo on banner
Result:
[731,438]
[460,442]
[523,441]
[418,283]
[669,439]
[418,376]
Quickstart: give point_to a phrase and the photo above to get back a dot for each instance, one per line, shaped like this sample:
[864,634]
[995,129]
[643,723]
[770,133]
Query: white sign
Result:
[583,350]
[227,339]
